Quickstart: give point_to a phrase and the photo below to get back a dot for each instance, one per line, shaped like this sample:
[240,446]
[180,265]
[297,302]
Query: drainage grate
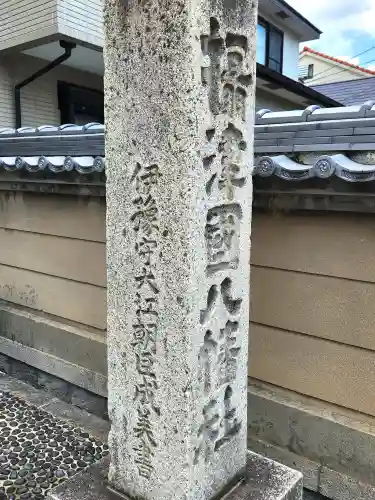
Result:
[39,451]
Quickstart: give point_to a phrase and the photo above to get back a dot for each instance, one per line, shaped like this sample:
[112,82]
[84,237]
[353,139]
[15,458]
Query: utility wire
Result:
[337,72]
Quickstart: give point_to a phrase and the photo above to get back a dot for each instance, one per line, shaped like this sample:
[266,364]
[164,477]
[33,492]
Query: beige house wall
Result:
[39,100]
[81,20]
[52,256]
[313,290]
[24,22]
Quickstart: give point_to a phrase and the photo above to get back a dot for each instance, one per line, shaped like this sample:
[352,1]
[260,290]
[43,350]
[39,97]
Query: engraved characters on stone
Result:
[219,425]
[227,80]
[145,222]
[222,237]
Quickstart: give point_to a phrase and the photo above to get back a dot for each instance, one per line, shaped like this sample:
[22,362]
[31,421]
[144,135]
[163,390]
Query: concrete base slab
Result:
[265,480]
[67,351]
[333,447]
[309,469]
[337,486]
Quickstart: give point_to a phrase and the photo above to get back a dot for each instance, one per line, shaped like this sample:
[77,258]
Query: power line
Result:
[360,54]
[337,72]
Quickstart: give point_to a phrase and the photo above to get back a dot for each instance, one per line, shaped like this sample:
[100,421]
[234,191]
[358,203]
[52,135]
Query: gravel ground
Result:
[39,451]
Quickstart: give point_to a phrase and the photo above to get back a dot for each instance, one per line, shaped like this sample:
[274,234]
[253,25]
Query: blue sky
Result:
[348,27]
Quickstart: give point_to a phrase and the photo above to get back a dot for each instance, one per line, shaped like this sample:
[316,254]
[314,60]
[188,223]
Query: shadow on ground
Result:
[311,495]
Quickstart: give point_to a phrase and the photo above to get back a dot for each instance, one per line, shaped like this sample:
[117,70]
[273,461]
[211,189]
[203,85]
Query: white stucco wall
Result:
[291,55]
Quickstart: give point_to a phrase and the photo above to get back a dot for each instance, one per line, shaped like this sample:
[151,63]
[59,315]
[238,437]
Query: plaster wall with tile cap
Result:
[52,253]
[311,399]
[311,256]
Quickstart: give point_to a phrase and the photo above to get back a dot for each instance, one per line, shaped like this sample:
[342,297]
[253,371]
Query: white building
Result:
[42,82]
[280,31]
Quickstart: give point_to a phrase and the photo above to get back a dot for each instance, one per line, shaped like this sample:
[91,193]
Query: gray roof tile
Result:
[81,148]
[357,168]
[351,92]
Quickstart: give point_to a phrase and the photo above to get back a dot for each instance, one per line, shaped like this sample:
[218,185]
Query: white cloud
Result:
[336,18]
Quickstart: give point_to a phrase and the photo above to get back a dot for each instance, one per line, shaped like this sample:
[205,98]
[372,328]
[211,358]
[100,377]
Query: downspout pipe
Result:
[68,47]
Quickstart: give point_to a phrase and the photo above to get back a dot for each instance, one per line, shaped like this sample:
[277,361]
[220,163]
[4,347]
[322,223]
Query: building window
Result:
[306,72]
[270,44]
[80,105]
[261,44]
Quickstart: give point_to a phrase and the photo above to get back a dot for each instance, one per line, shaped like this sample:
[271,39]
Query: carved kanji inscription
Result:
[222,237]
[145,222]
[219,425]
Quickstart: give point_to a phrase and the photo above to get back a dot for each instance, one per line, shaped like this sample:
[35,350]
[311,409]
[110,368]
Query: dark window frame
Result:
[270,28]
[67,105]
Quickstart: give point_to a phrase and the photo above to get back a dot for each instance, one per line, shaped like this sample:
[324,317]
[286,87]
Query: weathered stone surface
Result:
[337,486]
[5,365]
[22,332]
[179,119]
[96,426]
[24,391]
[93,425]
[312,495]
[265,480]
[24,372]
[309,469]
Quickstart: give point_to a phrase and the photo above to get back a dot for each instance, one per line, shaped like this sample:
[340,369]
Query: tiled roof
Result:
[56,149]
[56,164]
[315,114]
[69,128]
[359,167]
[336,60]
[292,145]
[316,142]
[316,129]
[350,92]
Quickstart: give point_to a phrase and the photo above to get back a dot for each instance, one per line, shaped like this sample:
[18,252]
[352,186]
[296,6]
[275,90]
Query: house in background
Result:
[67,37]
[51,61]
[317,68]
[280,31]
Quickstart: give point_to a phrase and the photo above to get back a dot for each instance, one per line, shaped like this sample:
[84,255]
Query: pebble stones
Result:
[38,451]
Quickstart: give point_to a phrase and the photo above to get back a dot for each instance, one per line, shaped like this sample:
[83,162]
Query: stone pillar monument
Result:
[179,131]
[179,119]
[179,88]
